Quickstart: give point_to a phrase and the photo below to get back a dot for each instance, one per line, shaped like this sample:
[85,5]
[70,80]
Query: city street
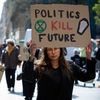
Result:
[50,30]
[79,93]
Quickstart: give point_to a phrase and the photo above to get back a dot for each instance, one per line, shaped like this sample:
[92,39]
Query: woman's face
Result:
[53,53]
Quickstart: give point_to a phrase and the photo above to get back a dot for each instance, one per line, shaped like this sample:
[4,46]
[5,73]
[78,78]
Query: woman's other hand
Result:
[89,51]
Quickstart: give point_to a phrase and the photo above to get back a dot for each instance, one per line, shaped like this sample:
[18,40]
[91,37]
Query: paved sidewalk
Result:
[80,92]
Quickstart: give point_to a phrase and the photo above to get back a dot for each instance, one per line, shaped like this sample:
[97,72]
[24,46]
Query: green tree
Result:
[96,8]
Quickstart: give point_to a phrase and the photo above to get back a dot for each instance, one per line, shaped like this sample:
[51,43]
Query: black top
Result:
[11,61]
[28,71]
[53,84]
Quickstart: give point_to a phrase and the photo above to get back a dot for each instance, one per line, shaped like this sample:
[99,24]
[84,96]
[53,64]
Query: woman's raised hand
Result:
[89,51]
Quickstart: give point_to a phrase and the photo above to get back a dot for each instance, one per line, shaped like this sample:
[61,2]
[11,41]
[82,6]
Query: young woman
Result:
[55,76]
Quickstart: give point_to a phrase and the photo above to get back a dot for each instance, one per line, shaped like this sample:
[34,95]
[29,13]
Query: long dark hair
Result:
[45,62]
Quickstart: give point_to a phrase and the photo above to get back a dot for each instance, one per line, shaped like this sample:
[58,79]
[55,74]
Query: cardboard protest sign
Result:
[60,25]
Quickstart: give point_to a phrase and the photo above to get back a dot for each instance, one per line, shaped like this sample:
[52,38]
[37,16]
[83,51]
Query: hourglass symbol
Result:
[82,26]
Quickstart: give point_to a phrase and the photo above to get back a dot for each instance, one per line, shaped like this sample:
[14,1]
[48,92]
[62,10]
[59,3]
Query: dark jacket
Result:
[28,80]
[28,71]
[77,60]
[55,85]
[11,60]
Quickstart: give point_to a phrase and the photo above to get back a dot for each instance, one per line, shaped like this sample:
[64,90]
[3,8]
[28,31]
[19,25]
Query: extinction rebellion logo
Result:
[40,26]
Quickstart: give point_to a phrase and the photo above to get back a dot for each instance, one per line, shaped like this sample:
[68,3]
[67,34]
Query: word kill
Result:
[57,25]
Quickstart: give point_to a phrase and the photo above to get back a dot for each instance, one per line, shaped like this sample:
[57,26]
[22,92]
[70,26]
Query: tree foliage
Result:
[96,8]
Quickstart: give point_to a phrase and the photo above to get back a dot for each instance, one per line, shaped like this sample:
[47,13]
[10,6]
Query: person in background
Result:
[77,60]
[28,81]
[2,46]
[0,51]
[97,56]
[10,61]
[55,76]
[38,50]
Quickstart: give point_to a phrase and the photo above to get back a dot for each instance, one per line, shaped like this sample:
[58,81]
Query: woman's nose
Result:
[53,51]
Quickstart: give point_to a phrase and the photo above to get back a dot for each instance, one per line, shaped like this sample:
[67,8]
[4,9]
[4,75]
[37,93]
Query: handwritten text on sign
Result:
[60,25]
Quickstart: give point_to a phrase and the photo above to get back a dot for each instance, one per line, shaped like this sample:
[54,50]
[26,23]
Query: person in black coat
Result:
[77,60]
[28,81]
[55,76]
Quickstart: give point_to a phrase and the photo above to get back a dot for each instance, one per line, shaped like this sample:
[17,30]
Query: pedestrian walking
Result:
[28,81]
[2,46]
[10,61]
[97,56]
[77,60]
[55,76]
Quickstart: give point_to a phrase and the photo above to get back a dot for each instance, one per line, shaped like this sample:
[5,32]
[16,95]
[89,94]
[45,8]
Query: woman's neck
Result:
[55,64]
